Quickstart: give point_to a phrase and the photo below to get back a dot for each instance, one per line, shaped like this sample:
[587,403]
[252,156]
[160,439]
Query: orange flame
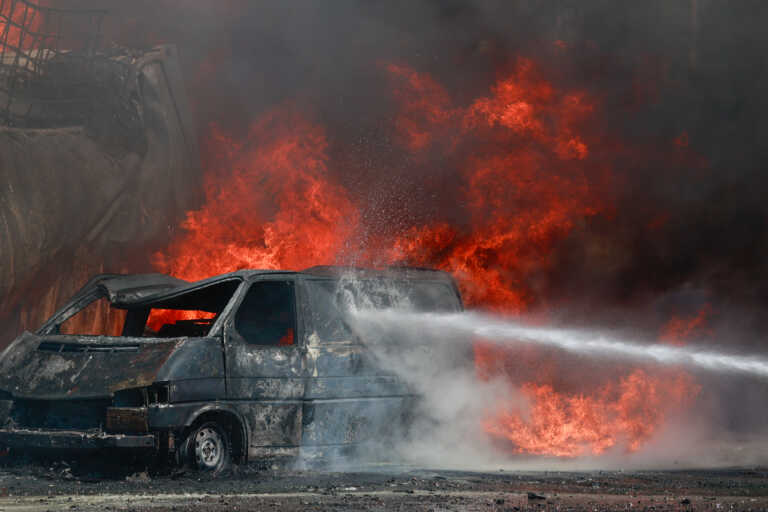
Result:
[159,317]
[571,424]
[268,204]
[521,196]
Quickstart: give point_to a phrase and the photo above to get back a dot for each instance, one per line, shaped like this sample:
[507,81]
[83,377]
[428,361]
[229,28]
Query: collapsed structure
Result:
[98,155]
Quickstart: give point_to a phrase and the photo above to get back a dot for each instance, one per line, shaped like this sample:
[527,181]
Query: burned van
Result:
[239,366]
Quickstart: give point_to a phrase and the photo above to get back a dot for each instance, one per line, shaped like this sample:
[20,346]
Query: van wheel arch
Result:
[229,420]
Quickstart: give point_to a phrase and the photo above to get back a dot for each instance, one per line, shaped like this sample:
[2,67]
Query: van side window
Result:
[266,315]
[189,314]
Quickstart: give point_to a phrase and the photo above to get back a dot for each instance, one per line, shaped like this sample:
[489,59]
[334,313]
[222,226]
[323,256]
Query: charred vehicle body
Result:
[240,366]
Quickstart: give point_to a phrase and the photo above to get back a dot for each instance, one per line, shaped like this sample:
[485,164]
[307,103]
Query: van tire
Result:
[207,448]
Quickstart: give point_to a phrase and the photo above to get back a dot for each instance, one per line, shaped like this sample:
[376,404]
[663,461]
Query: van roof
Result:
[134,289]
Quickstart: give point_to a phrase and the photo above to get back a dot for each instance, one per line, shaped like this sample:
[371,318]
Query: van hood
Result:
[67,367]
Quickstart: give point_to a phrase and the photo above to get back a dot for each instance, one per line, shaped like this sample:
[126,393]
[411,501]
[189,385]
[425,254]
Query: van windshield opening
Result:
[98,318]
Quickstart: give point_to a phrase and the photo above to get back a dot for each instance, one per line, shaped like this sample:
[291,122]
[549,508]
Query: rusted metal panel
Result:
[267,388]
[129,289]
[173,416]
[244,361]
[196,358]
[80,414]
[344,421]
[127,419]
[197,390]
[57,439]
[68,368]
[355,387]
[78,366]
[273,423]
[340,359]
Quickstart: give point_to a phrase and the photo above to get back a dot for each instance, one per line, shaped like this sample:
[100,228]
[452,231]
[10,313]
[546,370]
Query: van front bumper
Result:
[72,439]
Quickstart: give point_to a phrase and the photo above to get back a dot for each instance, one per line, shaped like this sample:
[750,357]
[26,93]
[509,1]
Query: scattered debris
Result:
[142,476]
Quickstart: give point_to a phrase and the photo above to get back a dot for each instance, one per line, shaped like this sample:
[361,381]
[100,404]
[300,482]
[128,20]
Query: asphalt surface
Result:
[113,484]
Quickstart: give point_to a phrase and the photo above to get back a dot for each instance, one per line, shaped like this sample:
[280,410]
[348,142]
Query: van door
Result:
[350,399]
[264,363]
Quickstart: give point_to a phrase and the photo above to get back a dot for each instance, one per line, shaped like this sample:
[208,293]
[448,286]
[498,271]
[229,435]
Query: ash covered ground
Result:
[63,486]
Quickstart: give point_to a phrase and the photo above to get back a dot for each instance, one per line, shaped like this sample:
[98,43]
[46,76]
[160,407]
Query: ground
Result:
[61,486]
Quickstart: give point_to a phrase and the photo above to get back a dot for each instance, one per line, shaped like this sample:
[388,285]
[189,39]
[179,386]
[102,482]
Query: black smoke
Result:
[690,218]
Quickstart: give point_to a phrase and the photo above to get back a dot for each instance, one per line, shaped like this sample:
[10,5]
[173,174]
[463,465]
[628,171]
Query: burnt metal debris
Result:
[48,63]
[236,367]
[56,71]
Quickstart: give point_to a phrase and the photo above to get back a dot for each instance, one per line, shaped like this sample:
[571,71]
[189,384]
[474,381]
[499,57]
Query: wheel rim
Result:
[209,448]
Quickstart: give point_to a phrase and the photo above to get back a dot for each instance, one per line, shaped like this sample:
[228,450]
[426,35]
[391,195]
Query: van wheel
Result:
[207,448]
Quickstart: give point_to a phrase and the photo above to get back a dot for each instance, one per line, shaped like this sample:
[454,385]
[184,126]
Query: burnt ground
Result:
[116,485]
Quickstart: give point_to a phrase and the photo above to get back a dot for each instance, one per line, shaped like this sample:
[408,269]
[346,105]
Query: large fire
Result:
[569,424]
[525,187]
[268,203]
[623,411]
[529,174]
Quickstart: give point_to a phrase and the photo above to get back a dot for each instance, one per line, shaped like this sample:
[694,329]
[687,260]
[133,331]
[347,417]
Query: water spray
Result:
[470,326]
